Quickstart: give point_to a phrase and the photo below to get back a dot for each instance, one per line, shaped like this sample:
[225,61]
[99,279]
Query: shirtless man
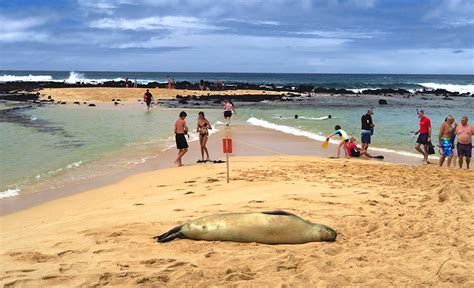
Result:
[180,130]
[464,134]
[444,137]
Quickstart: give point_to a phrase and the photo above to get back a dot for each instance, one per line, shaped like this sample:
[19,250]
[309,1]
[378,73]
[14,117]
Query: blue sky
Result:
[332,36]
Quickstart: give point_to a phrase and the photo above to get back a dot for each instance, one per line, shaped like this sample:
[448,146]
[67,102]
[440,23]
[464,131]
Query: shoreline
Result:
[249,141]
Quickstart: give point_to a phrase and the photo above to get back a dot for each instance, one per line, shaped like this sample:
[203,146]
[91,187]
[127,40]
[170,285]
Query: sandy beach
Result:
[100,94]
[398,225]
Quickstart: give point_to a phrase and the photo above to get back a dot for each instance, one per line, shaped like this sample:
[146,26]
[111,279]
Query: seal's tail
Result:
[170,235]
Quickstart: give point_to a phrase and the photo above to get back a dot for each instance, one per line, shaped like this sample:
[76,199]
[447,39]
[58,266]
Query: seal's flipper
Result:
[170,235]
[278,212]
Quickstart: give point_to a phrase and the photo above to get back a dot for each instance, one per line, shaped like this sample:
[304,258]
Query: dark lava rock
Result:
[78,103]
[92,105]
[62,102]
[383,102]
[182,101]
[116,103]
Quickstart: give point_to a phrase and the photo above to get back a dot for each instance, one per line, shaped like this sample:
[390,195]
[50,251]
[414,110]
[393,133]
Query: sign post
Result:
[227,147]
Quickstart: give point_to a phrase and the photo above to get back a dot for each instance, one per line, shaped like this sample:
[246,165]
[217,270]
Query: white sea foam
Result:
[450,87]
[74,165]
[10,193]
[317,137]
[28,78]
[74,77]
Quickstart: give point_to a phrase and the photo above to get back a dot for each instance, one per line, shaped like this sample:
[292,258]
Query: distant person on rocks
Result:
[367,129]
[219,85]
[202,85]
[148,98]
[445,134]
[172,83]
[126,82]
[135,83]
[180,131]
[228,110]
[344,140]
[424,137]
[203,127]
[168,79]
[464,134]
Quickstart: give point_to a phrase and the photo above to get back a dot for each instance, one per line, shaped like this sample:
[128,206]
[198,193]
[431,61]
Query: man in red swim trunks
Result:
[425,135]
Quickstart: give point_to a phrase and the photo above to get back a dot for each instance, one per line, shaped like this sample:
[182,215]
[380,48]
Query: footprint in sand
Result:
[189,192]
[256,201]
[100,251]
[178,210]
[239,274]
[161,186]
[156,262]
[35,257]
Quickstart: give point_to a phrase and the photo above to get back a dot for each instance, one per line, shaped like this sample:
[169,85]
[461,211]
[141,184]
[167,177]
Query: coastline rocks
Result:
[383,102]
[91,105]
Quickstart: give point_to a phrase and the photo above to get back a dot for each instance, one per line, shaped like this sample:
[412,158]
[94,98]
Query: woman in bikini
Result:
[203,127]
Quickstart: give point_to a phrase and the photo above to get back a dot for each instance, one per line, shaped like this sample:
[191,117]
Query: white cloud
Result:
[152,23]
[21,30]
[253,22]
[230,41]
[341,34]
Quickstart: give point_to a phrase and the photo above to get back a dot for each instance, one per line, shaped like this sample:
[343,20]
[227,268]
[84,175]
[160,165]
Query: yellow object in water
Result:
[325,144]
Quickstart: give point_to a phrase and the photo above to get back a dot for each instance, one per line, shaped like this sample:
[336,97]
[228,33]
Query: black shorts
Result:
[422,138]
[148,103]
[465,150]
[227,114]
[181,142]
[355,153]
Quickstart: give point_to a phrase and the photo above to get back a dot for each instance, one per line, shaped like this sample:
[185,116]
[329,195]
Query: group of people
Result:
[454,140]
[349,142]
[181,130]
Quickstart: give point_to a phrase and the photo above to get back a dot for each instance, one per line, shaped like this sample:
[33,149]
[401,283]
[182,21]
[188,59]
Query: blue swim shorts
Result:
[365,136]
[447,147]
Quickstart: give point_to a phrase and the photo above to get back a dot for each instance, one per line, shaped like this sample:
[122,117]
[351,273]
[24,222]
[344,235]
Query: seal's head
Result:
[324,233]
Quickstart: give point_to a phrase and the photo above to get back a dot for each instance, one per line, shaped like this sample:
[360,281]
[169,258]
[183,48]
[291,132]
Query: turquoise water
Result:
[73,142]
[393,124]
[62,143]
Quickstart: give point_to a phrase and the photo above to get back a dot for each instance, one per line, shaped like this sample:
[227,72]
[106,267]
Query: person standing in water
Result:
[180,130]
[148,98]
[228,110]
[464,134]
[444,141]
[425,135]
[203,127]
[367,128]
[344,140]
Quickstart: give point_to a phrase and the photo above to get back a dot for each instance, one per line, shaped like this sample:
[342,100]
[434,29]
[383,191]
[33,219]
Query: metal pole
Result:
[227,157]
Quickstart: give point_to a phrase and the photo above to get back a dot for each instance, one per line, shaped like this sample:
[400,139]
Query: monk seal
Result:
[272,227]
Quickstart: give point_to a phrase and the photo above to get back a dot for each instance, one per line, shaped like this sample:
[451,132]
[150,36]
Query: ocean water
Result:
[56,144]
[65,143]
[357,82]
